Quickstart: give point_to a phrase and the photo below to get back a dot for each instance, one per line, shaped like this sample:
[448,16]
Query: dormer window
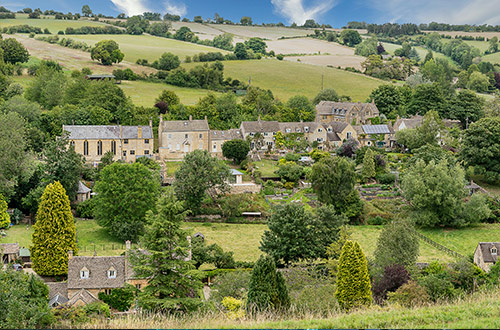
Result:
[84,273]
[329,129]
[288,130]
[111,273]
[306,129]
[494,250]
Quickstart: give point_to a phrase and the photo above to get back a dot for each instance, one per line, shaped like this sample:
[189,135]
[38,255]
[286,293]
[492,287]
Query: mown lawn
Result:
[266,167]
[286,79]
[172,167]
[148,47]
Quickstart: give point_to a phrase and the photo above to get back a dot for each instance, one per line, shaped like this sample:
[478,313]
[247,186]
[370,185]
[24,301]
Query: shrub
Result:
[234,308]
[85,209]
[438,287]
[387,178]
[377,221]
[392,279]
[120,299]
[97,308]
[409,295]
[16,216]
[234,284]
[280,57]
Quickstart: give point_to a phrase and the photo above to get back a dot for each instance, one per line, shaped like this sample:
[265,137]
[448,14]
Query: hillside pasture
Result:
[343,61]
[148,47]
[286,79]
[54,25]
[73,59]
[264,32]
[307,46]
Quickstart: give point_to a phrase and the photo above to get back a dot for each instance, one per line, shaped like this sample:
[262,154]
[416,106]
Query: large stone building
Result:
[179,137]
[260,133]
[127,143]
[347,112]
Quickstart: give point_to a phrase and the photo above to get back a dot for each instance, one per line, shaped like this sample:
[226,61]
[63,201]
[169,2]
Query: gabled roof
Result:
[235,172]
[230,134]
[342,108]
[185,125]
[83,189]
[376,129]
[85,296]
[260,126]
[337,126]
[107,132]
[9,248]
[57,300]
[486,251]
[98,272]
[298,127]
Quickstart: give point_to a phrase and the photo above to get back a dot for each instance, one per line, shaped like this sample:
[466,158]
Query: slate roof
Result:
[84,296]
[230,134]
[185,125]
[260,126]
[332,136]
[337,126]
[298,127]
[24,252]
[57,300]
[82,189]
[342,108]
[235,172]
[107,132]
[57,288]
[9,248]
[376,129]
[98,272]
[486,251]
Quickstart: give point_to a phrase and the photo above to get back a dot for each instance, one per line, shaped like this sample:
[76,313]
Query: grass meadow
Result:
[244,239]
[54,25]
[286,79]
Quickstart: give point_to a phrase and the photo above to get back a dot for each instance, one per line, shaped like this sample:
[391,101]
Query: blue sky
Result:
[334,12]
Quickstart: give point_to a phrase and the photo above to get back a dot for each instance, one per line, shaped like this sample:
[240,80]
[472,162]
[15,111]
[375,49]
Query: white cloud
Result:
[131,7]
[446,11]
[175,9]
[295,11]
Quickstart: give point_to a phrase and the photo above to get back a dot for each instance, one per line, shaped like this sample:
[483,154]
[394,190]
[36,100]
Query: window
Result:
[124,153]
[306,129]
[99,148]
[349,135]
[201,136]
[138,286]
[297,130]
[84,273]
[288,130]
[146,152]
[215,146]
[178,146]
[494,250]
[252,133]
[185,136]
[329,129]
[325,117]
[113,147]
[132,152]
[146,141]
[107,291]
[86,148]
[201,146]
[112,273]
[320,140]
[265,134]
[170,136]
[72,144]
[320,130]
[269,143]
[125,141]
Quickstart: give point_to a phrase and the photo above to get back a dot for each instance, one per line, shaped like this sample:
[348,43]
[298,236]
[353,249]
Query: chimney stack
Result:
[206,118]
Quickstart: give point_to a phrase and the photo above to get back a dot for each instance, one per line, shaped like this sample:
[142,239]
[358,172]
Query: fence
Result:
[439,246]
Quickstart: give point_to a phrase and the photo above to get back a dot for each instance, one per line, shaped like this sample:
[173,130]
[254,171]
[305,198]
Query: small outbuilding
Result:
[486,255]
[9,252]
[83,192]
[237,177]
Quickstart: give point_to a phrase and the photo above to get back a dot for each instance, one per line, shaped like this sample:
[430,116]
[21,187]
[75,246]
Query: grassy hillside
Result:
[54,25]
[479,311]
[287,79]
[144,93]
[148,47]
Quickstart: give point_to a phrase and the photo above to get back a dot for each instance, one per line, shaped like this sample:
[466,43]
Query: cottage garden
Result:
[240,208]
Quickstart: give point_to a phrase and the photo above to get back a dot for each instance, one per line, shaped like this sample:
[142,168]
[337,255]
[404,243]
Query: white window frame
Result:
[84,274]
[111,273]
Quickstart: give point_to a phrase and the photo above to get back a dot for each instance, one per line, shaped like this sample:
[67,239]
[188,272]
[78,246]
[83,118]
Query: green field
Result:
[148,47]
[286,79]
[54,25]
[390,48]
[267,167]
[144,93]
[244,239]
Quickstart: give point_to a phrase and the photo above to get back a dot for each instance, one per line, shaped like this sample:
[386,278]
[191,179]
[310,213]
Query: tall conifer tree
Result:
[55,232]
[4,215]
[353,281]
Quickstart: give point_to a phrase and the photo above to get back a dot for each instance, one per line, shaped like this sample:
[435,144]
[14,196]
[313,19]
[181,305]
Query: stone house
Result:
[260,133]
[338,132]
[179,137]
[346,112]
[9,252]
[486,255]
[217,139]
[311,131]
[127,143]
[380,136]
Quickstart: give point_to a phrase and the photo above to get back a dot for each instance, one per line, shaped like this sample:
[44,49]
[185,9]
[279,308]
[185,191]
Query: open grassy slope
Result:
[54,25]
[287,79]
[148,47]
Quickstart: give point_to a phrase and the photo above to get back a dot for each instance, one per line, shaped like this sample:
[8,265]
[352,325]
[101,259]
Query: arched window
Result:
[86,148]
[113,147]
[99,148]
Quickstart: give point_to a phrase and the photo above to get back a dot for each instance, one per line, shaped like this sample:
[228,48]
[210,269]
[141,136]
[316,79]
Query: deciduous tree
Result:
[397,244]
[237,150]
[107,52]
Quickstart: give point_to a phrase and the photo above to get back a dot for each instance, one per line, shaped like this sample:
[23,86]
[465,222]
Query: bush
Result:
[280,57]
[392,279]
[291,157]
[377,221]
[120,299]
[16,216]
[409,295]
[97,308]
[234,308]
[85,209]
[387,178]
[234,284]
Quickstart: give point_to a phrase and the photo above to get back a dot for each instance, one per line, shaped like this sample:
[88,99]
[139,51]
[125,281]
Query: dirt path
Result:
[72,59]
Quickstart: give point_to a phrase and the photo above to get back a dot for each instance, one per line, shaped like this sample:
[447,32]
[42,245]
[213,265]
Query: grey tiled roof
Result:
[57,288]
[9,248]
[376,129]
[107,132]
[230,134]
[57,300]
[337,126]
[84,296]
[260,126]
[486,251]
[185,125]
[341,108]
[298,127]
[82,189]
[98,272]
